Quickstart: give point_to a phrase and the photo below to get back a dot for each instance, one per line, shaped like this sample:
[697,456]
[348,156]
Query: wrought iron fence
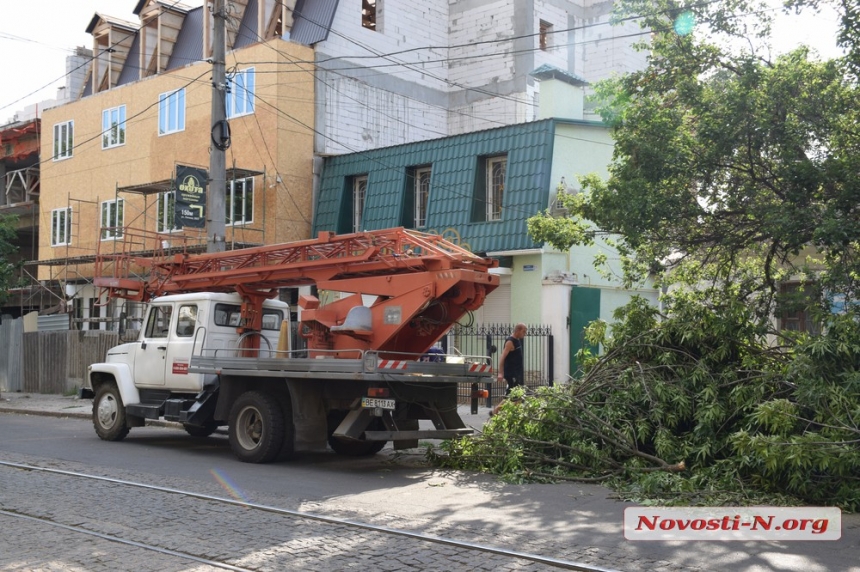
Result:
[489,339]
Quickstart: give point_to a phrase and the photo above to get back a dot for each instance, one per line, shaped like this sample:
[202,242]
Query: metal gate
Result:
[489,339]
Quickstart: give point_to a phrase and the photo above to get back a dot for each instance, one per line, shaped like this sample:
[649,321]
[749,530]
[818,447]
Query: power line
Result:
[91,59]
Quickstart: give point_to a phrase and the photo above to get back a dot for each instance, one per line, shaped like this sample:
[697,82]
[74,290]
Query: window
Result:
[545,31]
[794,300]
[158,325]
[113,127]
[166,213]
[368,14]
[64,140]
[422,195]
[95,314]
[77,313]
[230,315]
[171,112]
[186,321]
[61,222]
[240,201]
[112,219]
[496,167]
[240,94]
[359,192]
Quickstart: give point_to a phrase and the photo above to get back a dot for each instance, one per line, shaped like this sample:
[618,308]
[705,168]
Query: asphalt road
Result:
[567,521]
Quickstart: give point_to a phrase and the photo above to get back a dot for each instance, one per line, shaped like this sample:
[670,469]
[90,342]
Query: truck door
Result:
[150,354]
[179,350]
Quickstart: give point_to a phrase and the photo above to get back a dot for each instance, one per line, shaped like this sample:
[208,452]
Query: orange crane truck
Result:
[214,344]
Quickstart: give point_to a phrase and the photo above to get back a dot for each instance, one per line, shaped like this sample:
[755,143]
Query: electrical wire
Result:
[162,9]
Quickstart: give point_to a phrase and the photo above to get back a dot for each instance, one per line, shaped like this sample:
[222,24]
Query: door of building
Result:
[584,308]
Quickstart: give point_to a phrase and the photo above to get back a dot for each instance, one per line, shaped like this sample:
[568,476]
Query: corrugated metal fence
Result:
[480,339]
[11,378]
[48,362]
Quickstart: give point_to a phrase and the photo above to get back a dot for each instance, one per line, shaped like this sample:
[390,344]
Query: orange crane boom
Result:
[420,283]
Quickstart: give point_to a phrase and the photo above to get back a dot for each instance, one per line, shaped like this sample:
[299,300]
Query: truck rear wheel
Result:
[109,413]
[351,447]
[256,427]
[288,447]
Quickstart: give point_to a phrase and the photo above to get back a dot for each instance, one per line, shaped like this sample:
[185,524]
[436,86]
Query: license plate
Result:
[373,402]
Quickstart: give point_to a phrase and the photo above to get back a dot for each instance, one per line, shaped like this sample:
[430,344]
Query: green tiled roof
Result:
[456,164]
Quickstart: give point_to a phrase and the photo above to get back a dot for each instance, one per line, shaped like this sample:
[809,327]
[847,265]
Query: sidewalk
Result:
[53,405]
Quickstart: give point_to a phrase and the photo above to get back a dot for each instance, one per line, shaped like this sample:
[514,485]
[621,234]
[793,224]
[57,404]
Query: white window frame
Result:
[359,195]
[240,94]
[64,140]
[246,188]
[113,127]
[166,213]
[422,195]
[496,174]
[61,224]
[112,219]
[171,112]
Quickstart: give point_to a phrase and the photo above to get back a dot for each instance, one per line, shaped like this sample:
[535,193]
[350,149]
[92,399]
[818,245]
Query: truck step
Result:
[427,434]
[145,410]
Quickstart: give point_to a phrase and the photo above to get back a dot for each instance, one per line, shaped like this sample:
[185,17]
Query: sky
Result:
[35,38]
[37,35]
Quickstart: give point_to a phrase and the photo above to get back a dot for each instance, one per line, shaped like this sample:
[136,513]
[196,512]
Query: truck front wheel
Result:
[256,427]
[109,413]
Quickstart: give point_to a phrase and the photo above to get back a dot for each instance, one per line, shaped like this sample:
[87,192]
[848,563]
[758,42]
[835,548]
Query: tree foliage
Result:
[722,154]
[697,406]
[733,171]
[9,270]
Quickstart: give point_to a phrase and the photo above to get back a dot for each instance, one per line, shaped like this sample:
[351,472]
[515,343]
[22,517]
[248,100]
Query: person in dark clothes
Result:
[511,364]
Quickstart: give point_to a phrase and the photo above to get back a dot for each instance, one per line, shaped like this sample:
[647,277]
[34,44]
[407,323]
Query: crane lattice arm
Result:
[422,283]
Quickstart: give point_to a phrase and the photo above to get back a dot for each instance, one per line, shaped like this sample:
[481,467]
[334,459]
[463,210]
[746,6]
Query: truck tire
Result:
[201,430]
[109,413]
[288,447]
[256,427]
[351,447]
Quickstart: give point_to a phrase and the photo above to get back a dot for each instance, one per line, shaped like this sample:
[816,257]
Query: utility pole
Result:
[220,140]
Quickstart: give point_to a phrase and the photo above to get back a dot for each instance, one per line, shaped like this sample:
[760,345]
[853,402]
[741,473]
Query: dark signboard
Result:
[191,196]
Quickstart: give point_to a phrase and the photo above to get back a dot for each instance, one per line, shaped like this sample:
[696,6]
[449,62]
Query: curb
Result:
[73,415]
[44,413]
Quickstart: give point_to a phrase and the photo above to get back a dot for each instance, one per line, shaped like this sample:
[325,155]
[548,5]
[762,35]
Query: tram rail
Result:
[288,513]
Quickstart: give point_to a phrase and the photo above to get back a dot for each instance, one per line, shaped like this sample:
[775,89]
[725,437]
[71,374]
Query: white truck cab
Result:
[175,324]
[155,366]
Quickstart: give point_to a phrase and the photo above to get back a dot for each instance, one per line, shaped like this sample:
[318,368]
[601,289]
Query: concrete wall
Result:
[370,99]
[526,288]
[384,87]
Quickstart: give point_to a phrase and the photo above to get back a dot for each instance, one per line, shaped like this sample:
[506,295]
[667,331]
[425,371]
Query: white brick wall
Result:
[378,93]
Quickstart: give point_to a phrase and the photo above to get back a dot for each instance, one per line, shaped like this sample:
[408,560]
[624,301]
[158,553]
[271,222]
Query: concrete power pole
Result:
[220,140]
